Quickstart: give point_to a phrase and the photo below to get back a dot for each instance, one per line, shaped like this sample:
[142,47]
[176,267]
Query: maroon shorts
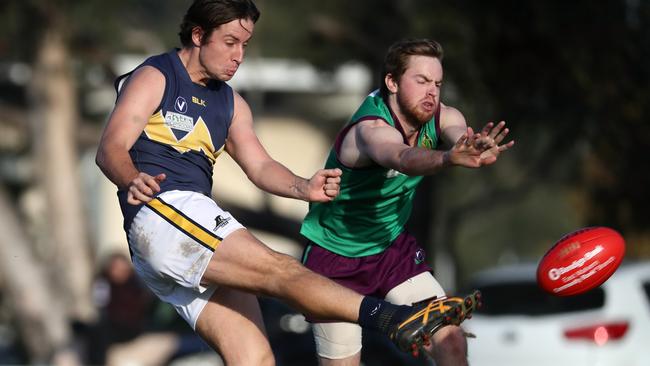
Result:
[373,275]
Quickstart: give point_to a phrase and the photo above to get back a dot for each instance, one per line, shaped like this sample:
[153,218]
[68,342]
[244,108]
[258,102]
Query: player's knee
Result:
[290,269]
[262,358]
[451,341]
[252,356]
[282,271]
[337,341]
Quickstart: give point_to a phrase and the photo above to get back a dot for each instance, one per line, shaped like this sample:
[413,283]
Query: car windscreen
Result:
[526,298]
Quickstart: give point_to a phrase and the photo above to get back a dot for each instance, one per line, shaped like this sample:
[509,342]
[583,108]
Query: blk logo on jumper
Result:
[220,222]
[199,101]
[180,105]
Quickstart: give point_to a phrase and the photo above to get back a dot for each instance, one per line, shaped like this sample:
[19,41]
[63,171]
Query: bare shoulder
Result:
[375,129]
[145,87]
[241,134]
[452,124]
[450,116]
[241,111]
[363,139]
[374,133]
[146,75]
[140,94]
[372,123]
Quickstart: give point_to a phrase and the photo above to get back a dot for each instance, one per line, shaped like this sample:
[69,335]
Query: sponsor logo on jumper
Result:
[180,105]
[426,141]
[183,133]
[555,273]
[198,101]
[179,121]
[220,222]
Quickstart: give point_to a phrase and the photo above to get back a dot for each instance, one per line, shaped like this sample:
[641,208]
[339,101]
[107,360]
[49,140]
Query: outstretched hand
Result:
[473,150]
[324,185]
[467,150]
[491,137]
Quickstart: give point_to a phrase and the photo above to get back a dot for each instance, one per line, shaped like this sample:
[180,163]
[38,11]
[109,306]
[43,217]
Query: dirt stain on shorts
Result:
[142,241]
[188,249]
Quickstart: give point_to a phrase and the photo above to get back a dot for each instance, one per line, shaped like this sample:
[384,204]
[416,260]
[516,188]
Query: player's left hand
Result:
[489,142]
[324,185]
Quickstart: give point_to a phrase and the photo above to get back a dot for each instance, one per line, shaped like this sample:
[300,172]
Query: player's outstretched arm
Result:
[384,145]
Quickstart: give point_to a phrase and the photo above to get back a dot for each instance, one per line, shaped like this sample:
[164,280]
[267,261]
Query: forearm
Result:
[275,178]
[419,161]
[117,166]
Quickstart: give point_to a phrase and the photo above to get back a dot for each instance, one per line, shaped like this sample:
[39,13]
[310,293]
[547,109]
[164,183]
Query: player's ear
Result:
[391,83]
[197,36]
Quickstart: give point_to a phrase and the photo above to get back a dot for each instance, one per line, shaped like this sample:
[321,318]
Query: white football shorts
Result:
[172,239]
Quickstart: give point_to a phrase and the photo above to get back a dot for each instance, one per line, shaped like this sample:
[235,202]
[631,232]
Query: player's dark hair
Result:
[398,56]
[210,14]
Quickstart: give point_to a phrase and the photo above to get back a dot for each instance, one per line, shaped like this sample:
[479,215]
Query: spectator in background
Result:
[125,306]
[134,326]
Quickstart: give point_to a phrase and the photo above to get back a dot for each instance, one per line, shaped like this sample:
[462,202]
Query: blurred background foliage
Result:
[571,79]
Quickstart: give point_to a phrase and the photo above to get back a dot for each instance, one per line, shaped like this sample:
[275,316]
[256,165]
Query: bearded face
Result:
[415,110]
[418,90]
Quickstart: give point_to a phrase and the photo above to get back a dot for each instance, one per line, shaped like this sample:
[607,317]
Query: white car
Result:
[520,324]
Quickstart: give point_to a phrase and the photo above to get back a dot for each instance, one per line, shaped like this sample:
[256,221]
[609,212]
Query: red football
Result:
[580,261]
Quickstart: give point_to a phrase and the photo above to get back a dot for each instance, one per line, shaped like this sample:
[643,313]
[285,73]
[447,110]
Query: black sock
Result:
[381,315]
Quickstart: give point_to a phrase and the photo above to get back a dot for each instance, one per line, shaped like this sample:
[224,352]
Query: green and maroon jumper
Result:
[374,202]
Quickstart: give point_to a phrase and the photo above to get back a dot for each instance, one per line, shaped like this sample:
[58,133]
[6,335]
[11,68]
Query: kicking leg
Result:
[241,261]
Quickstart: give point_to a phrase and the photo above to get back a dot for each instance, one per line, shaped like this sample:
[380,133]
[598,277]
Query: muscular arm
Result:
[138,100]
[376,141]
[265,172]
[379,142]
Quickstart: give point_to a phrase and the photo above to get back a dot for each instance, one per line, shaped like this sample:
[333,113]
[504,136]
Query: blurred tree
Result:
[39,315]
[65,273]
[54,108]
[574,75]
[58,38]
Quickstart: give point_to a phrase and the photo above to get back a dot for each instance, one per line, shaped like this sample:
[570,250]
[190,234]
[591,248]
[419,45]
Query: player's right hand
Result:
[324,186]
[143,188]
[465,152]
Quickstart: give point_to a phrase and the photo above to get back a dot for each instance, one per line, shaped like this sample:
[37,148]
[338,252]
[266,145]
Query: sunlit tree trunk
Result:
[54,104]
[39,315]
